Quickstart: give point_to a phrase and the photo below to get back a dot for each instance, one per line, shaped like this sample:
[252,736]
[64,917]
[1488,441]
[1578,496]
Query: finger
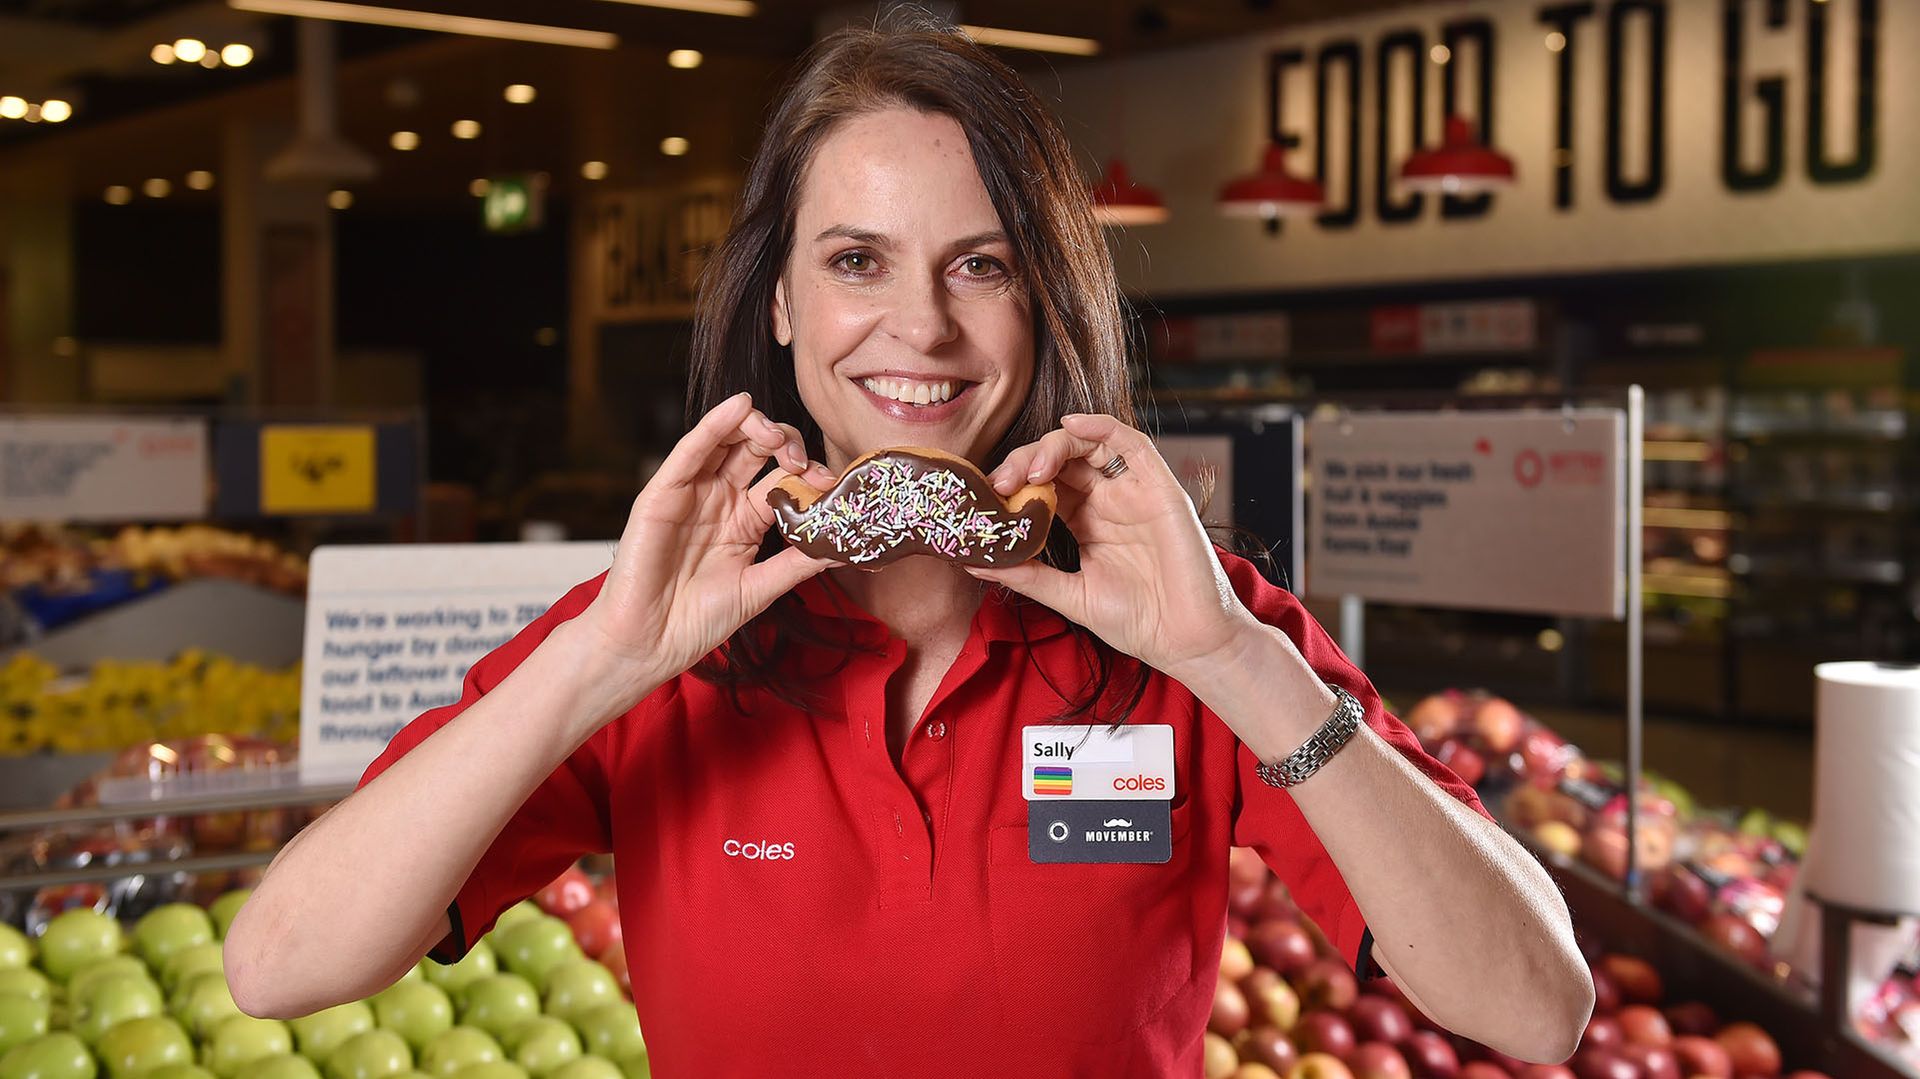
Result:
[1081,476]
[764,582]
[1040,461]
[1041,583]
[1116,439]
[816,476]
[743,462]
[694,454]
[761,438]
[793,450]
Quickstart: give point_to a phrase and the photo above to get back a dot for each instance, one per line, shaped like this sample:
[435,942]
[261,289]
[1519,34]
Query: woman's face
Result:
[900,297]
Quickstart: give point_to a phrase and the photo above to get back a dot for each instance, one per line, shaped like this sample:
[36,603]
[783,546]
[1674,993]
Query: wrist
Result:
[1263,690]
[605,683]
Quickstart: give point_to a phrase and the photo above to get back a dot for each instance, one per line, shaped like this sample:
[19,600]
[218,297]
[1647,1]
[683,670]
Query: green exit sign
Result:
[515,203]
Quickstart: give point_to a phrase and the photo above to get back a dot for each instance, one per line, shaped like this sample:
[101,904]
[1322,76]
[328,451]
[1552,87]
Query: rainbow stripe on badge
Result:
[1049,779]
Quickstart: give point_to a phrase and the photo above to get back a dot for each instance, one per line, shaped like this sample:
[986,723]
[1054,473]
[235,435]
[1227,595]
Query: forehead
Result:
[907,174]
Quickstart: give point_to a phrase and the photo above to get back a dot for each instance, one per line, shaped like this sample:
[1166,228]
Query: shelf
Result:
[1676,517]
[1869,501]
[1866,571]
[175,807]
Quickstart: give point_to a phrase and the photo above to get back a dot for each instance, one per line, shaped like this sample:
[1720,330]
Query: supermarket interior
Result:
[1562,359]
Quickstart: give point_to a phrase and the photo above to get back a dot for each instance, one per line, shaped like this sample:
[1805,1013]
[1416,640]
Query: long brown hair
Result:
[910,59]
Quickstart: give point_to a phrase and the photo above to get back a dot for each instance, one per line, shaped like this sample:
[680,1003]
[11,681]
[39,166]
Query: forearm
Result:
[358,896]
[1451,900]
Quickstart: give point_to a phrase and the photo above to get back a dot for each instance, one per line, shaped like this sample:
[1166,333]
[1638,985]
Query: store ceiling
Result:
[136,119]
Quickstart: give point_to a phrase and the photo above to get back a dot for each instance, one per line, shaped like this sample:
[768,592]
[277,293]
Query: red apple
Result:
[1378,1019]
[1230,1012]
[1606,995]
[567,893]
[596,926]
[1594,1062]
[1733,933]
[1644,1025]
[1282,945]
[1376,1060]
[1276,904]
[1507,1065]
[1243,897]
[1499,725]
[1269,1046]
[1271,1000]
[1320,1066]
[1680,891]
[1236,962]
[1639,983]
[1480,1069]
[1253,1069]
[1545,1071]
[1431,1056]
[1803,1074]
[615,960]
[1324,1032]
[1603,1032]
[1543,754]
[1653,1062]
[1328,984]
[1217,1058]
[1703,1057]
[1471,767]
[1751,1049]
[1437,717]
[1605,849]
[1693,1017]
[1238,927]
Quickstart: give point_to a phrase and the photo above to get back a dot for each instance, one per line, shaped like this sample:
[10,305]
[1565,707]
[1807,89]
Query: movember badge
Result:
[1098,797]
[910,500]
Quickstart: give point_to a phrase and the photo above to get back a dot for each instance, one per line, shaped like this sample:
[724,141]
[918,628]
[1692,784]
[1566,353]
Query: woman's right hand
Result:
[684,576]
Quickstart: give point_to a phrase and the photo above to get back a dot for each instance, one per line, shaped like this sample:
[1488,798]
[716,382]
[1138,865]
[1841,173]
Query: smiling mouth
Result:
[918,393]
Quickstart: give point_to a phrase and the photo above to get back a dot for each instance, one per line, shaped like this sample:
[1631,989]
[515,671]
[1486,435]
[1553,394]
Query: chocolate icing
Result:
[899,502]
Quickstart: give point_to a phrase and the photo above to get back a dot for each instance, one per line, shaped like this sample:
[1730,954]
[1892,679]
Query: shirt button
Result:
[937,729]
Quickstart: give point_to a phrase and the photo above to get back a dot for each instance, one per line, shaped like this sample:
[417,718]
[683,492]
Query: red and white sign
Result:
[104,468]
[1487,326]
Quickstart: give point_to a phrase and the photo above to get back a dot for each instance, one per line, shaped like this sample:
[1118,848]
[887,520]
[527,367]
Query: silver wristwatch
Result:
[1320,748]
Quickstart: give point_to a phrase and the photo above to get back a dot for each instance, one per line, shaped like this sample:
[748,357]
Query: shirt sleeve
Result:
[563,819]
[1266,818]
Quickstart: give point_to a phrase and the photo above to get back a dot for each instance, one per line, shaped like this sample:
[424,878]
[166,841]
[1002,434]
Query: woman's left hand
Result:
[1149,583]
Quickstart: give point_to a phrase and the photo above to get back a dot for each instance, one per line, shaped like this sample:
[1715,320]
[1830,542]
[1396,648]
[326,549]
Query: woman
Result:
[812,777]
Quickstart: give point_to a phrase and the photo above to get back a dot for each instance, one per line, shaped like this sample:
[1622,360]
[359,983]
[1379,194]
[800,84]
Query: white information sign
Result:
[1486,510]
[102,468]
[392,629]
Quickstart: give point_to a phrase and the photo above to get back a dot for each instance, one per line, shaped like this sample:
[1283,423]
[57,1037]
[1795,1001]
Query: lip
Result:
[907,413]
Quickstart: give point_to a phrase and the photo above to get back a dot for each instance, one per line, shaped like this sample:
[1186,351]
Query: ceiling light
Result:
[431,20]
[673,146]
[1440,54]
[404,140]
[200,179]
[211,60]
[1026,39]
[189,50]
[519,93]
[156,188]
[1271,192]
[738,8]
[1118,201]
[466,129]
[119,194]
[53,110]
[237,55]
[1556,41]
[339,200]
[1460,165]
[33,114]
[594,170]
[684,59]
[12,108]
[479,187]
[162,53]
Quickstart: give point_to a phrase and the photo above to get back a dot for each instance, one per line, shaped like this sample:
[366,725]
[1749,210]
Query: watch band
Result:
[1297,766]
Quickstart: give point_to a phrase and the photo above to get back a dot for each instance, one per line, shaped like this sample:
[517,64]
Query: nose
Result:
[920,315]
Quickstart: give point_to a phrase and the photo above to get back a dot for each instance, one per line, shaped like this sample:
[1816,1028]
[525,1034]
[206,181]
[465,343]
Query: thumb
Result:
[764,582]
[1041,583]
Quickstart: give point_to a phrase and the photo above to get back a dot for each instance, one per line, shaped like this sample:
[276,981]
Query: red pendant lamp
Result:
[1460,165]
[1271,192]
[1119,201]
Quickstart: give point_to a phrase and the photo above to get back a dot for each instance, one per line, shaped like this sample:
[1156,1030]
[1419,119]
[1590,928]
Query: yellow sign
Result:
[307,469]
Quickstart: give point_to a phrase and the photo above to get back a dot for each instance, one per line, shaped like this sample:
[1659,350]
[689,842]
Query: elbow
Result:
[1561,1018]
[257,989]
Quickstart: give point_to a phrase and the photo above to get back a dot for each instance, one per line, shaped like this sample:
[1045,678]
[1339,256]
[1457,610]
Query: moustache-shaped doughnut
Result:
[910,500]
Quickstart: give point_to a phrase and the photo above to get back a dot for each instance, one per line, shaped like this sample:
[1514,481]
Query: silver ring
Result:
[1114,467]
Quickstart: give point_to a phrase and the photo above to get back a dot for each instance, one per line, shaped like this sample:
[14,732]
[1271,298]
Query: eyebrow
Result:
[879,239]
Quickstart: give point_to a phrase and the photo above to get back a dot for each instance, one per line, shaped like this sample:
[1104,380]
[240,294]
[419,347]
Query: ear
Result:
[782,325]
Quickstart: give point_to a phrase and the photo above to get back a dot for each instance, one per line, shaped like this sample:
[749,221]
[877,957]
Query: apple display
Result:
[169,928]
[1545,1071]
[23,1019]
[1217,1058]
[25,982]
[567,893]
[1379,1019]
[137,1046]
[1653,1062]
[1283,945]
[209,1003]
[1693,1017]
[241,1040]
[543,1045]
[372,1054]
[1642,1024]
[498,1003]
[1329,985]
[1702,1056]
[1738,936]
[223,909]
[1596,1062]
[187,962]
[1320,1066]
[1751,1050]
[1272,1000]
[1606,995]
[16,950]
[524,911]
[588,1067]
[536,946]
[578,985]
[1639,983]
[1480,1069]
[75,938]
[61,1055]
[319,1034]
[179,1071]
[637,1067]
[1438,716]
[611,1031]
[454,1049]
[1377,1060]
[1323,1032]
[1603,1031]
[1268,1045]
[1253,1069]
[1431,1056]
[115,1000]
[1681,892]
[1236,962]
[1230,1014]
[1466,764]
[415,1010]
[492,1069]
[1559,837]
[284,1066]
[478,963]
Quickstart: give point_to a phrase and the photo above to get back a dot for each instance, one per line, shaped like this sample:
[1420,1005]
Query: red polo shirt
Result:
[899,927]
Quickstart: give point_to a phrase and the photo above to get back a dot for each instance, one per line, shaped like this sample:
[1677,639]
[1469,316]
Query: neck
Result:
[918,598]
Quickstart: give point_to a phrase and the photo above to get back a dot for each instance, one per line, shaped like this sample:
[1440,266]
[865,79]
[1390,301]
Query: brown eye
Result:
[980,266]
[855,262]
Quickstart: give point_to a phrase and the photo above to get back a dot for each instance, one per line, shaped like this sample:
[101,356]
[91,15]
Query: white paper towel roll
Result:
[1866,787]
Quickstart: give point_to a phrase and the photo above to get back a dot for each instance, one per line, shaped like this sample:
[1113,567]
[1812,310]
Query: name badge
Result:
[1100,832]
[1089,764]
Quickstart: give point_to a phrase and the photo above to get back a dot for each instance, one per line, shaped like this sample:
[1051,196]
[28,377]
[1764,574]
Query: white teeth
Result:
[908,392]
[923,394]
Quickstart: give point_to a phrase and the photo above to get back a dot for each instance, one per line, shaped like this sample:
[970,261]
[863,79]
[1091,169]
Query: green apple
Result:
[454,1049]
[171,928]
[80,986]
[455,977]
[284,1066]
[498,1003]
[56,1056]
[579,985]
[534,947]
[611,1031]
[208,1005]
[543,1045]
[22,1019]
[185,963]
[225,907]
[180,1071]
[112,1001]
[414,1010]
[183,993]
[16,950]
[637,1066]
[492,1069]
[25,982]
[588,1067]
[75,938]
[524,911]
[134,1048]
[372,1055]
[241,1040]
[319,1034]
